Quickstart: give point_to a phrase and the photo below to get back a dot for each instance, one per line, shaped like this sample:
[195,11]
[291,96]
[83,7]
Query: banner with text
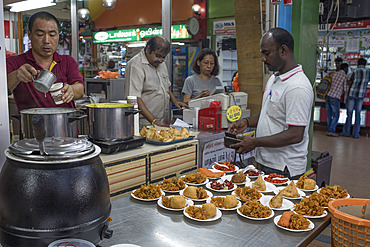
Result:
[137,34]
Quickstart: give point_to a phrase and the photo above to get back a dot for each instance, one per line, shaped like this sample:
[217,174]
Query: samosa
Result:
[277,200]
[259,184]
[291,190]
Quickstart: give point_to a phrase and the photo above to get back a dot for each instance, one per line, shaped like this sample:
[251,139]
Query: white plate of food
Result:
[209,195]
[206,181]
[301,193]
[225,209]
[143,199]
[287,205]
[209,186]
[171,184]
[229,177]
[310,226]
[316,187]
[348,195]
[269,187]
[188,202]
[276,180]
[315,217]
[252,218]
[217,167]
[218,215]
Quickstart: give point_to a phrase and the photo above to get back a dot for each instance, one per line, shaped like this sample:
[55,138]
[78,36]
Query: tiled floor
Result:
[350,167]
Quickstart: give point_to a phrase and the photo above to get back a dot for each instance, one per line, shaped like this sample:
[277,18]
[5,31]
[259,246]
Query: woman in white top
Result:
[204,81]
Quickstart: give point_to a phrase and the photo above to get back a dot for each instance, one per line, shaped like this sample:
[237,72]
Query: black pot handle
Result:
[18,117]
[72,119]
[129,112]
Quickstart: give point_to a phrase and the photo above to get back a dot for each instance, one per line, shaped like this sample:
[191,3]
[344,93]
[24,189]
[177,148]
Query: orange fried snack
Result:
[210,173]
[148,192]
[285,219]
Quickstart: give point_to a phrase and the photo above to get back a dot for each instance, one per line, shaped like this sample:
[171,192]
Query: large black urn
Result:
[61,194]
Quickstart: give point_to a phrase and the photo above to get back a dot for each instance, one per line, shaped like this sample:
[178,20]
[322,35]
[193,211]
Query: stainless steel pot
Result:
[59,122]
[111,121]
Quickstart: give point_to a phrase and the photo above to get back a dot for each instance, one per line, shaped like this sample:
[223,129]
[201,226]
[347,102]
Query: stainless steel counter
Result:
[147,224]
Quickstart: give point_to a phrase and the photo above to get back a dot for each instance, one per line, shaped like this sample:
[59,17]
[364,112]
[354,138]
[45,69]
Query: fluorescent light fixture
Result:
[178,43]
[30,4]
[137,44]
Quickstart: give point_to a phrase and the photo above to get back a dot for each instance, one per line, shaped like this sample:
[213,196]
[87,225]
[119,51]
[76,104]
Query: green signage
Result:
[137,34]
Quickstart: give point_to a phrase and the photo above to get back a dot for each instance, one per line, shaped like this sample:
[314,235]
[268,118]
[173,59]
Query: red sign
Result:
[351,25]
[7,29]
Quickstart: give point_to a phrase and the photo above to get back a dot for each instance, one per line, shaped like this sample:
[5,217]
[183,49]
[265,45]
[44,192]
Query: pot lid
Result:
[50,110]
[56,148]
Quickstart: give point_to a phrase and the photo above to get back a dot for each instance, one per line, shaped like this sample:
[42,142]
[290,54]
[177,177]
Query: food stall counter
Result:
[149,163]
[147,224]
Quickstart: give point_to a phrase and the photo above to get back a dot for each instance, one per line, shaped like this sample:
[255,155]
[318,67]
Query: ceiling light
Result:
[83,14]
[109,4]
[30,4]
[137,44]
[196,9]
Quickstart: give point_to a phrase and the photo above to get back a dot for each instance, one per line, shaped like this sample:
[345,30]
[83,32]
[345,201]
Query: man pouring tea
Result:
[44,35]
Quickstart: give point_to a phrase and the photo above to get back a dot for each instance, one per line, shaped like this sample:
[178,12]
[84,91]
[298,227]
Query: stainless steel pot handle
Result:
[129,112]
[72,119]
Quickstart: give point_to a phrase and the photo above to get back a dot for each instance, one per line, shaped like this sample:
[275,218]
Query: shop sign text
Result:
[137,34]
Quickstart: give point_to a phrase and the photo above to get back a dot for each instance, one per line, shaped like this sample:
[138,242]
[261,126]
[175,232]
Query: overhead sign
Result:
[137,34]
[224,27]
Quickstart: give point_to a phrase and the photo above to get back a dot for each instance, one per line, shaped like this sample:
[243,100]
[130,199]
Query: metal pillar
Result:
[74,24]
[166,29]
[4,111]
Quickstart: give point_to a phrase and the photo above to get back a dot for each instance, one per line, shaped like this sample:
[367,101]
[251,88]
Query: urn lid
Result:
[56,148]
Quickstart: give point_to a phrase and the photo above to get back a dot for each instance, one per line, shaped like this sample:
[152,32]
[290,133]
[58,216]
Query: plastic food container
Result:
[71,242]
[346,229]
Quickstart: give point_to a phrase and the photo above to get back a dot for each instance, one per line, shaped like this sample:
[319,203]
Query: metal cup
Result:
[44,80]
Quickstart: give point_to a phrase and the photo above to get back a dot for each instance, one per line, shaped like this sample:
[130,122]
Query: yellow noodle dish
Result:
[109,105]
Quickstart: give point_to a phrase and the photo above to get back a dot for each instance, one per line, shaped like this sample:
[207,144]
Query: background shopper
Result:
[356,93]
[332,99]
[204,81]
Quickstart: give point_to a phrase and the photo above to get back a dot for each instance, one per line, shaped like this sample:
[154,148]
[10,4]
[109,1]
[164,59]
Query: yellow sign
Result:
[234,113]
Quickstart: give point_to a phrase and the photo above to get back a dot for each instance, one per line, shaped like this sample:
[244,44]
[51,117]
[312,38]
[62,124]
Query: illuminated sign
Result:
[137,34]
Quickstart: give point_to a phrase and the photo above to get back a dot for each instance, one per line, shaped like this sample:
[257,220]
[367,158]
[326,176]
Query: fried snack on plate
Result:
[174,184]
[277,200]
[195,193]
[164,134]
[255,209]
[322,199]
[194,178]
[143,132]
[210,173]
[208,210]
[305,183]
[309,207]
[227,202]
[285,219]
[247,194]
[259,184]
[291,190]
[298,222]
[238,177]
[148,192]
[334,191]
[176,202]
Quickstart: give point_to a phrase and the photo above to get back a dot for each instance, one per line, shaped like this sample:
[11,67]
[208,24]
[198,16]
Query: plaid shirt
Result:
[337,84]
[360,78]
